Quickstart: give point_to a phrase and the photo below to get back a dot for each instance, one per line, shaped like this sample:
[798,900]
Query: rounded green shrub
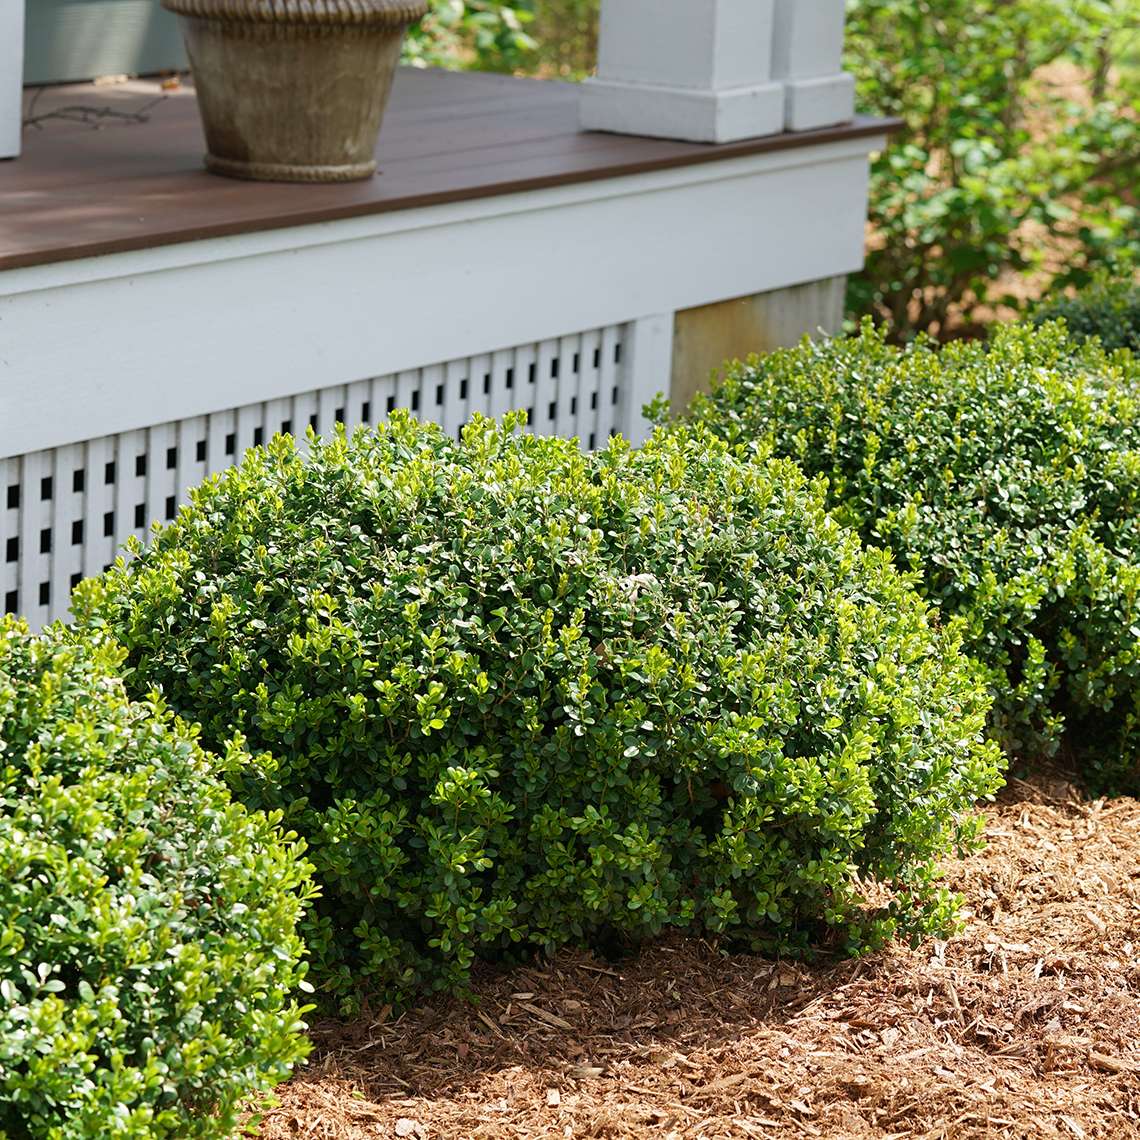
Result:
[148,950]
[515,696]
[1007,476]
[1108,309]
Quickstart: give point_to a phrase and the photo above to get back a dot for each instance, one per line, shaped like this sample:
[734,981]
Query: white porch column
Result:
[807,58]
[699,70]
[11,75]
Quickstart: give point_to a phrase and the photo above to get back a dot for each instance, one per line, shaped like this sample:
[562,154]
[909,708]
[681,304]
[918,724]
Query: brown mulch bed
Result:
[1027,1025]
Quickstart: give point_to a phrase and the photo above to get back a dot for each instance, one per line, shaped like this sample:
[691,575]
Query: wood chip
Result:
[1110,1064]
[584,1072]
[545,1015]
[488,1023]
[714,1087]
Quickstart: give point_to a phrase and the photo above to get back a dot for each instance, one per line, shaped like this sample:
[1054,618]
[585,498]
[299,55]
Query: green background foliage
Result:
[1019,157]
[555,38]
[483,34]
[148,951]
[515,696]
[1109,309]
[1007,477]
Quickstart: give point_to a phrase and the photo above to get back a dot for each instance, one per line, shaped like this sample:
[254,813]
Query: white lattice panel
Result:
[66,511]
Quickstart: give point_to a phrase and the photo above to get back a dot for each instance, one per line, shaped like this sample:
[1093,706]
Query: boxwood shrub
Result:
[515,696]
[1007,476]
[148,951]
[1109,309]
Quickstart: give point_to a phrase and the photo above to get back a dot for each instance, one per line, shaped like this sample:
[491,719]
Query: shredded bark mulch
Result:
[1026,1025]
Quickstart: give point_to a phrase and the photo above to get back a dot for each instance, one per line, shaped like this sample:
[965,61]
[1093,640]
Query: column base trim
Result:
[677,113]
[821,102]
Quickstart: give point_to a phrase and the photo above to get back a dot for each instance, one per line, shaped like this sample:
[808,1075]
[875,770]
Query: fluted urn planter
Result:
[293,90]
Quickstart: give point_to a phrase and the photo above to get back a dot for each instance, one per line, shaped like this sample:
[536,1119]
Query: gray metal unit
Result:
[73,40]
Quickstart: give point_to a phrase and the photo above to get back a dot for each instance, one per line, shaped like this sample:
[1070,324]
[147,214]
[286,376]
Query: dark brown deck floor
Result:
[81,190]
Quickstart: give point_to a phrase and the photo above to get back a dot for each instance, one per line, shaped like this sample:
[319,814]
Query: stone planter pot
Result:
[293,90]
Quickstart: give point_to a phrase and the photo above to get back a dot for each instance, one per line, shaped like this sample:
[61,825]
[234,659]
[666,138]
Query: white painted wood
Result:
[11,75]
[609,388]
[64,554]
[523,386]
[192,449]
[566,400]
[674,113]
[624,248]
[649,356]
[502,372]
[355,397]
[544,393]
[684,69]
[808,40]
[815,103]
[479,391]
[130,487]
[807,57]
[221,441]
[701,44]
[10,491]
[456,382]
[330,409]
[279,413]
[408,390]
[589,369]
[34,583]
[431,394]
[98,507]
[303,407]
[382,398]
[161,485]
[250,430]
